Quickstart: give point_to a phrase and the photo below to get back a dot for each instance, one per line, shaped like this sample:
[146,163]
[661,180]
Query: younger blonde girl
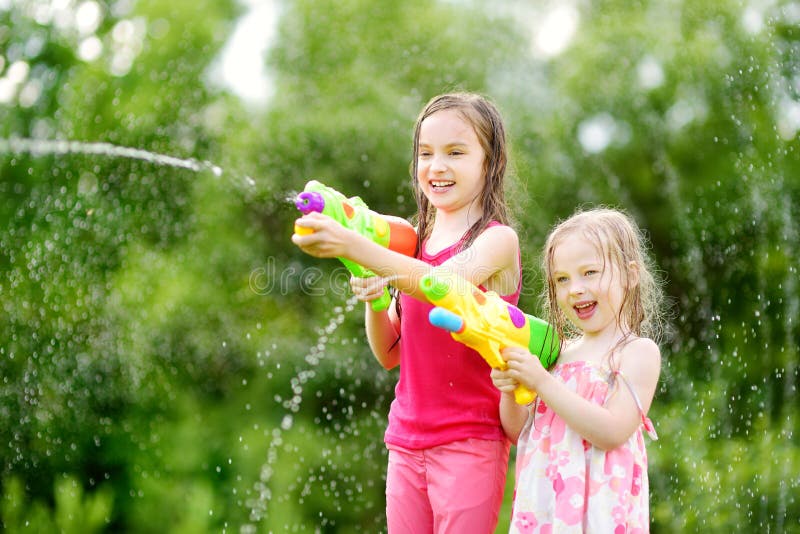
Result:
[581,458]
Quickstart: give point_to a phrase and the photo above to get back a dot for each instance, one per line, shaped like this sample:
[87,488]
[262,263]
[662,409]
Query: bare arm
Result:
[491,260]
[608,426]
[383,331]
[512,415]
[382,327]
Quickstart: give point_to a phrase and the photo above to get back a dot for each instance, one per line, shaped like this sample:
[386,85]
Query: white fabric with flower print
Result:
[566,485]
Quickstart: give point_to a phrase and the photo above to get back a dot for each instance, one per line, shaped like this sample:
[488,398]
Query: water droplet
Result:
[287,421]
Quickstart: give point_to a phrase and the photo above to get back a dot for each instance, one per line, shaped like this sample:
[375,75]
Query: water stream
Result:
[55,147]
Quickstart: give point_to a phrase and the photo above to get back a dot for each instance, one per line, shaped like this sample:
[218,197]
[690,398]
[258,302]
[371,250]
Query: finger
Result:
[506,388]
[356,283]
[515,368]
[377,283]
[368,297]
[364,298]
[370,284]
[364,289]
[516,356]
[299,226]
[312,222]
[306,243]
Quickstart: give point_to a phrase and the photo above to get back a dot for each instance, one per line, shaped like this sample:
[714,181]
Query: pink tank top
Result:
[444,392]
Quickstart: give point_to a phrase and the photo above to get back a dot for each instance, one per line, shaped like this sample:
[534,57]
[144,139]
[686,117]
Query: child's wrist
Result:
[538,379]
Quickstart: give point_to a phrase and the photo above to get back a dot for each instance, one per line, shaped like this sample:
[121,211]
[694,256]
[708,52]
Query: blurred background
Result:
[172,363]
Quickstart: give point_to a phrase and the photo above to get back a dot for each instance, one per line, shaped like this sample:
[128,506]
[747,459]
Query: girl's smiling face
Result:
[450,166]
[588,286]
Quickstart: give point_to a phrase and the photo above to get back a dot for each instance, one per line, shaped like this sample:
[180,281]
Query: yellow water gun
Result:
[485,322]
[391,232]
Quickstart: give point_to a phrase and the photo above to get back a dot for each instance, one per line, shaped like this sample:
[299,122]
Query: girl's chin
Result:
[438,197]
[440,203]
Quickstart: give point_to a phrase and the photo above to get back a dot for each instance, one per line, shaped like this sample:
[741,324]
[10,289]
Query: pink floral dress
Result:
[566,485]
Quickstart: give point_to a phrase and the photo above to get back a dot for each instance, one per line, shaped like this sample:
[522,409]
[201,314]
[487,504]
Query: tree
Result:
[171,362]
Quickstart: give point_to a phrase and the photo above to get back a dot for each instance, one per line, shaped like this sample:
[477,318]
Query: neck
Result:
[448,228]
[603,342]
[457,221]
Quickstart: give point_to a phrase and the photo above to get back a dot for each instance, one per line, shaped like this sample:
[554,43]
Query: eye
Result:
[591,272]
[456,152]
[561,279]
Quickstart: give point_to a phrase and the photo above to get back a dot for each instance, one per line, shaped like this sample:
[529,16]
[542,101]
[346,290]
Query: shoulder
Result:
[500,245]
[569,350]
[492,260]
[644,345]
[499,235]
[641,357]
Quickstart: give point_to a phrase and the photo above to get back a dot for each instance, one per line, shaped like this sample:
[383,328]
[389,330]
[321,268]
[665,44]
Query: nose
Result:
[438,163]
[577,288]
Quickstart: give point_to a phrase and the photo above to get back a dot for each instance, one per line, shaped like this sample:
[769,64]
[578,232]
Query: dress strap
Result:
[646,422]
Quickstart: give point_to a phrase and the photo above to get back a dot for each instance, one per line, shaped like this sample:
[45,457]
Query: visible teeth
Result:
[582,306]
[441,184]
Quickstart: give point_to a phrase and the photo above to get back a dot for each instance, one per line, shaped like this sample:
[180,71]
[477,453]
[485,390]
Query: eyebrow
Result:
[581,267]
[452,144]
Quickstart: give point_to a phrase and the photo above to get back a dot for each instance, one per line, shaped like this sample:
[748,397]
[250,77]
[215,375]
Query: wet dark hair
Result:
[480,113]
[485,119]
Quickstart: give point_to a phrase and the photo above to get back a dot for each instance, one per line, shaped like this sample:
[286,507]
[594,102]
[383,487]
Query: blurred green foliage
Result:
[171,363]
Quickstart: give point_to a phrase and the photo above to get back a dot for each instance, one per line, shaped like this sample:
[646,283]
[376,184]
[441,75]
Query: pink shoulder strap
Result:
[646,422]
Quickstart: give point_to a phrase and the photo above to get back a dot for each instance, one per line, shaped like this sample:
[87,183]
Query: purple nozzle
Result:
[309,201]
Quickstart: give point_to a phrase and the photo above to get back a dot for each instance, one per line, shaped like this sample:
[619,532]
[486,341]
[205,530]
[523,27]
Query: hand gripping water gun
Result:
[394,233]
[485,322]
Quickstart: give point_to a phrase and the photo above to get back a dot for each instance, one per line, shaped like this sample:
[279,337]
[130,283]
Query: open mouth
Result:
[584,310]
[441,185]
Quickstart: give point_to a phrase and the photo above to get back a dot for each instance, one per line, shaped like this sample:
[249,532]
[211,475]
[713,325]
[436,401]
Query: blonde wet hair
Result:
[619,241]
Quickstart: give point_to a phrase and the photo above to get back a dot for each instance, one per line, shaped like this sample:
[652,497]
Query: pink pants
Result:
[453,488]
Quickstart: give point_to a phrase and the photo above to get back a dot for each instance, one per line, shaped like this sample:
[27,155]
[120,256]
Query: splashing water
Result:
[258,506]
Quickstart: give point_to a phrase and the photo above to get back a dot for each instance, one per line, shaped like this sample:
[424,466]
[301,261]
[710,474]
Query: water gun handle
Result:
[455,325]
[523,395]
[379,304]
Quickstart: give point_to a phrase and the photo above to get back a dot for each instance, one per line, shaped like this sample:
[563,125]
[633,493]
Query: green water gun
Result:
[391,232]
[485,322]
